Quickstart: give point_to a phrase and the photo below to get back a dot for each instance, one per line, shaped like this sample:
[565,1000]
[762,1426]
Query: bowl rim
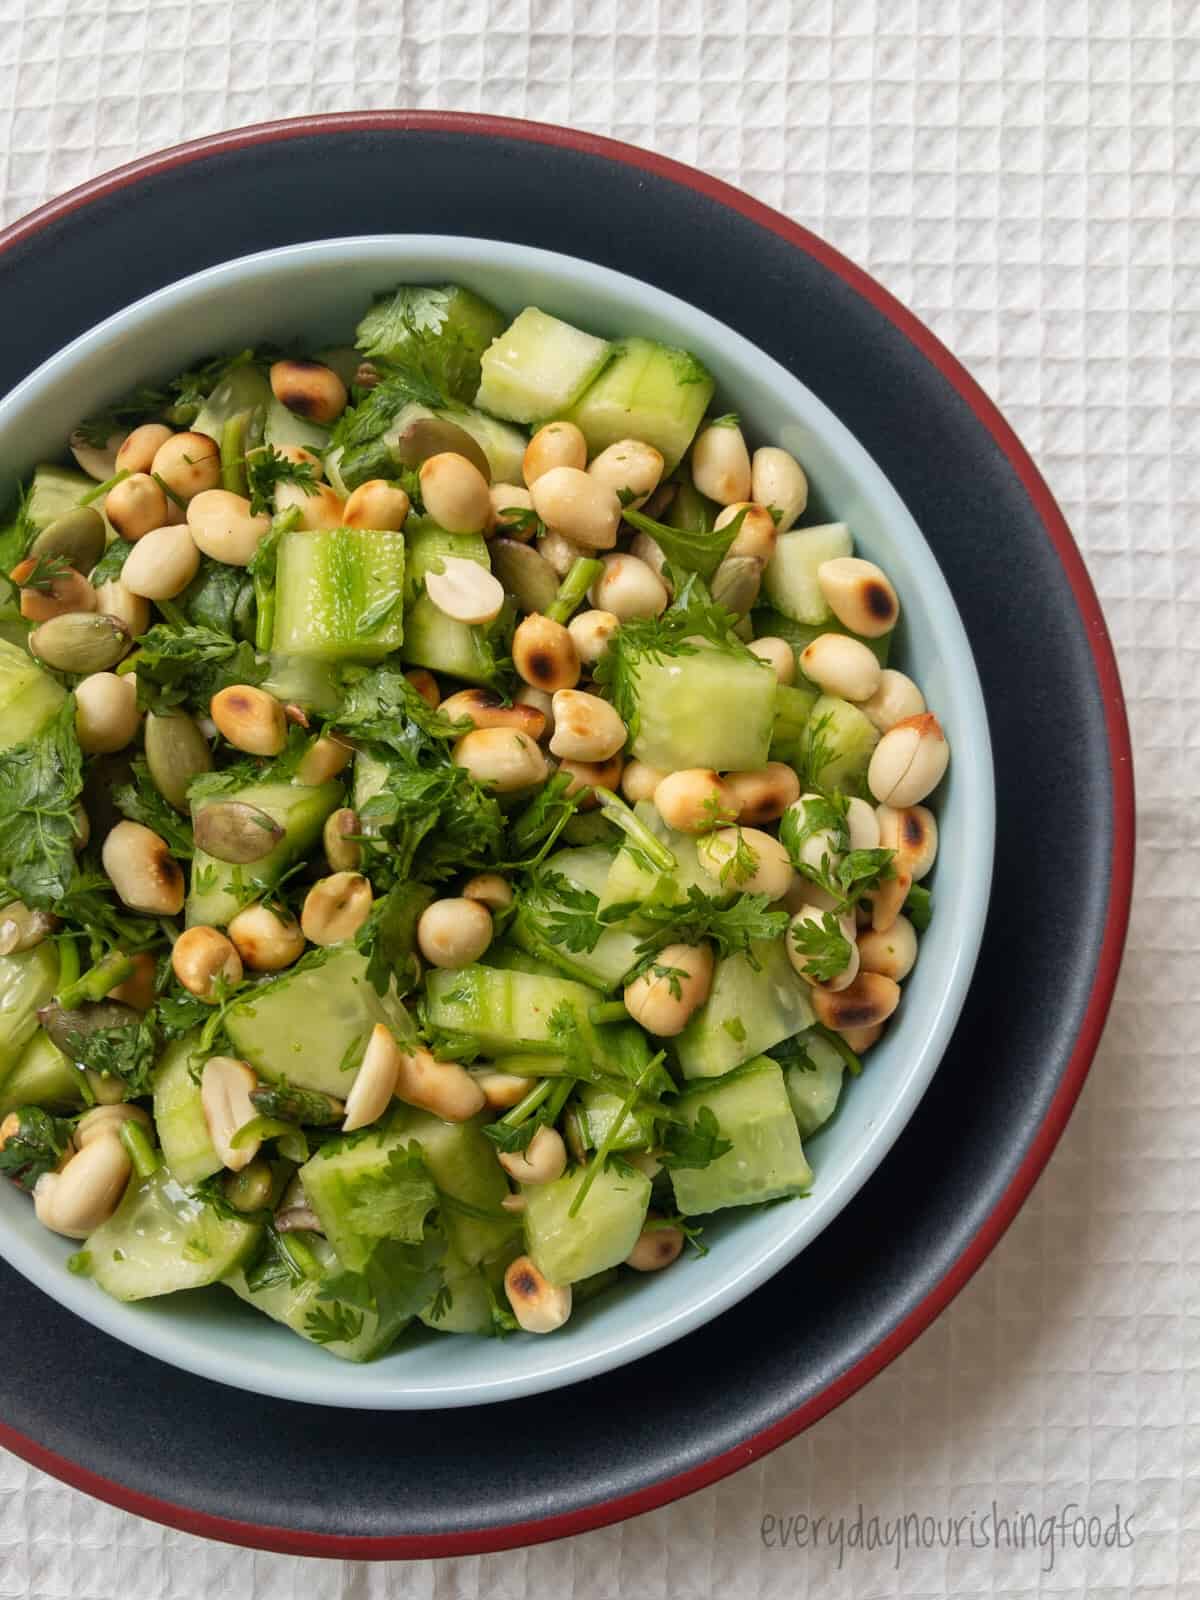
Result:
[665,1489]
[730,1275]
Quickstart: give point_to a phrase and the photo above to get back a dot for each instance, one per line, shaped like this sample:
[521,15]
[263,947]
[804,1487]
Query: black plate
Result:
[285,1476]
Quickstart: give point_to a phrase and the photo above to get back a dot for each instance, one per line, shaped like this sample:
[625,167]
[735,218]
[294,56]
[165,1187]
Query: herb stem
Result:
[233,453]
[108,972]
[574,587]
[527,1104]
[300,1255]
[608,1011]
[68,962]
[596,1165]
[102,489]
[146,1159]
[616,811]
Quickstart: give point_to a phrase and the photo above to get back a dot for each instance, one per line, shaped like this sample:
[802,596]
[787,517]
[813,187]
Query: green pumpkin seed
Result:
[176,752]
[236,832]
[77,536]
[433,436]
[67,1029]
[525,573]
[736,583]
[80,641]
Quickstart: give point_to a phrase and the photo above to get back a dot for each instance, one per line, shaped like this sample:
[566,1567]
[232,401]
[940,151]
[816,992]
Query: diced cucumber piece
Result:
[538,367]
[814,1091]
[747,1011]
[343,359]
[219,889]
[773,624]
[299,1306]
[501,443]
[53,492]
[596,1111]
[310,683]
[466,1305]
[508,957]
[600,1234]
[504,1011]
[311,1026]
[431,638]
[462,1162]
[243,389]
[615,950]
[713,708]
[354,1190]
[629,885]
[790,581]
[42,1077]
[161,1238]
[339,594]
[29,697]
[767,1160]
[793,706]
[27,982]
[441,329]
[283,429]
[651,392]
[179,1116]
[838,743]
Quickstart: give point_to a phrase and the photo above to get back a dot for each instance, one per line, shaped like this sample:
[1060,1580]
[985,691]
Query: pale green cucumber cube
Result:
[54,491]
[504,1010]
[29,697]
[649,391]
[311,1026]
[243,389]
[162,1238]
[838,743]
[767,1160]
[299,1305]
[431,638]
[601,1234]
[350,1187]
[790,581]
[339,594]
[538,367]
[814,1090]
[712,708]
[42,1077]
[27,981]
[179,1115]
[462,1162]
[747,1011]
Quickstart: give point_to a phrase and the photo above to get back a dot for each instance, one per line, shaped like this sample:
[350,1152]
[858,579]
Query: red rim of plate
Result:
[514,1535]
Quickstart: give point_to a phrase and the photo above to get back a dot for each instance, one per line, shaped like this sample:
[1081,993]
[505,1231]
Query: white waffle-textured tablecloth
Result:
[1026,175]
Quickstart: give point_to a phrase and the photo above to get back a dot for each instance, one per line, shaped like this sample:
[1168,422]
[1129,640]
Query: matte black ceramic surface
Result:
[333,1482]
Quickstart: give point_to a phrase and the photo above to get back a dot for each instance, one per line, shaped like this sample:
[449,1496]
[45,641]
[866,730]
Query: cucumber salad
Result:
[459,827]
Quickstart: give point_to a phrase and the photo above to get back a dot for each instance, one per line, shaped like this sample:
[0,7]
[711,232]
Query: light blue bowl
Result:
[315,292]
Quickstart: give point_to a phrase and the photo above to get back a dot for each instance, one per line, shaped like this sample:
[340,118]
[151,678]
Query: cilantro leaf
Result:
[40,782]
[734,927]
[825,948]
[690,1146]
[918,908]
[399,1280]
[335,1323]
[35,1146]
[141,801]
[689,549]
[562,913]
[394,1203]
[267,467]
[192,664]
[388,938]
[380,704]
